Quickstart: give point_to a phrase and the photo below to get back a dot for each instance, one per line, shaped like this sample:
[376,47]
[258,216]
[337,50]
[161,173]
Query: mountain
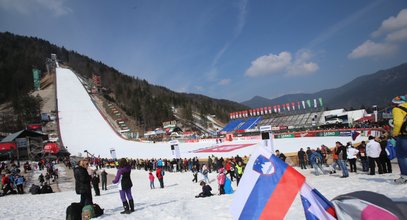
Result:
[367,90]
[148,104]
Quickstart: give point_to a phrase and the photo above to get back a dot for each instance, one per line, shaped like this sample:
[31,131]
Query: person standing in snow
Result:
[159,174]
[352,155]
[95,183]
[104,179]
[151,178]
[123,175]
[373,150]
[82,183]
[205,173]
[315,159]
[221,181]
[301,158]
[342,157]
[399,104]
[239,171]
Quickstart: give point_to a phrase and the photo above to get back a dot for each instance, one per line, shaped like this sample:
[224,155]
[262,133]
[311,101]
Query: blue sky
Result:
[223,48]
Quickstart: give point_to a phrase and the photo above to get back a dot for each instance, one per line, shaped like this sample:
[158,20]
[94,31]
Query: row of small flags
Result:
[277,108]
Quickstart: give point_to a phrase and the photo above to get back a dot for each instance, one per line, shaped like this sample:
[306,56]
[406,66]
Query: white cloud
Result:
[283,63]
[301,64]
[397,36]
[241,21]
[224,82]
[56,7]
[370,48]
[392,24]
[388,38]
[269,64]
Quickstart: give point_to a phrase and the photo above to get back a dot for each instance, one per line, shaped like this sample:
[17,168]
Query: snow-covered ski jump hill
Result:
[83,128]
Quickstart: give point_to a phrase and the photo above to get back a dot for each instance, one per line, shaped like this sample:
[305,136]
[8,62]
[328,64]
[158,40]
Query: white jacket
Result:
[352,153]
[373,149]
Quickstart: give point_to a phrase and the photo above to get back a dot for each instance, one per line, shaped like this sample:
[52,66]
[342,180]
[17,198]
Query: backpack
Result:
[88,212]
[74,211]
[403,129]
[46,189]
[390,150]
[98,211]
[35,189]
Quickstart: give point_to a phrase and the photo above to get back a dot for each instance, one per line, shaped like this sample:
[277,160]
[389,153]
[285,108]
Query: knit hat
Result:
[399,100]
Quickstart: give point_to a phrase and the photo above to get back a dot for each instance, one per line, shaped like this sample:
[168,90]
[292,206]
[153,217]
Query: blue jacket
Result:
[20,180]
[315,157]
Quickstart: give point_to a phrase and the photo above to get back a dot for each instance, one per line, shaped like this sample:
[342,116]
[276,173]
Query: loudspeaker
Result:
[265,136]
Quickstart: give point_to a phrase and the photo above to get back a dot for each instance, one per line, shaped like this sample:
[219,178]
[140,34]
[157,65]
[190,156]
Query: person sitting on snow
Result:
[206,190]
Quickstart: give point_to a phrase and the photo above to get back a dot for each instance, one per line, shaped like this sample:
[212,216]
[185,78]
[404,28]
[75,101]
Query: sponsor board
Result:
[223,148]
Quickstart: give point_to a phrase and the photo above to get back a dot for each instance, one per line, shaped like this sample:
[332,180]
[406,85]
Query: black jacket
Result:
[301,155]
[82,181]
[342,150]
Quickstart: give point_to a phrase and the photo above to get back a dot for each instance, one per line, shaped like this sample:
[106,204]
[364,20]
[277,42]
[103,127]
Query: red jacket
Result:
[5,180]
[158,173]
[227,166]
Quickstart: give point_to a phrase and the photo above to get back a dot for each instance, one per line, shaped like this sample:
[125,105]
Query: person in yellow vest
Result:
[239,171]
[399,111]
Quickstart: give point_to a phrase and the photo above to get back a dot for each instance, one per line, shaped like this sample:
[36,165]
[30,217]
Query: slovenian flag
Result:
[355,134]
[267,188]
[316,206]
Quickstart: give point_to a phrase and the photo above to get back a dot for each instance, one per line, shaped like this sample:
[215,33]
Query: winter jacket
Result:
[352,153]
[373,149]
[315,157]
[158,173]
[151,177]
[95,179]
[123,173]
[239,170]
[20,180]
[206,190]
[82,180]
[221,178]
[398,118]
[342,153]
[5,180]
[301,155]
[104,175]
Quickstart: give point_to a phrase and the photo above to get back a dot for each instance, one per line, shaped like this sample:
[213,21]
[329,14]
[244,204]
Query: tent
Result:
[8,146]
[51,147]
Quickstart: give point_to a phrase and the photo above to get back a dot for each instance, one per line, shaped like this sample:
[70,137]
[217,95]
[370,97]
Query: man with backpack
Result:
[399,111]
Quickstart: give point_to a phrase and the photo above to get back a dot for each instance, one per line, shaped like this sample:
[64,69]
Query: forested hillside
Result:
[149,104]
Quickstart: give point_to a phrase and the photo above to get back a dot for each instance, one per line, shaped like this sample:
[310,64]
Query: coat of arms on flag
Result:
[263,166]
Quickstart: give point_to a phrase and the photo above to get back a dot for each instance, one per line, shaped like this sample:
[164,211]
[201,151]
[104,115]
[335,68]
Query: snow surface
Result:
[177,201]
[83,128]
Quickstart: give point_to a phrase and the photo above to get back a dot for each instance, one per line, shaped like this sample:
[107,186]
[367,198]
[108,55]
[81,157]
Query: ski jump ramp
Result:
[83,128]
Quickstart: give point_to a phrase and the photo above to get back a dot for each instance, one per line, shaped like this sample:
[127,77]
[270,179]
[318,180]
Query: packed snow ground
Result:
[177,201]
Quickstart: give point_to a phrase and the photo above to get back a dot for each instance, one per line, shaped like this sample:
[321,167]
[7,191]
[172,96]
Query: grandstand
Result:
[297,120]
[232,125]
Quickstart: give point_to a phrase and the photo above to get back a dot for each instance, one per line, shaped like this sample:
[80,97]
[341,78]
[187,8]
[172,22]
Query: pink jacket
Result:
[151,177]
[221,178]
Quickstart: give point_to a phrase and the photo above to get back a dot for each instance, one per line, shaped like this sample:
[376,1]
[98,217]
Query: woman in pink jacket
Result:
[221,181]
